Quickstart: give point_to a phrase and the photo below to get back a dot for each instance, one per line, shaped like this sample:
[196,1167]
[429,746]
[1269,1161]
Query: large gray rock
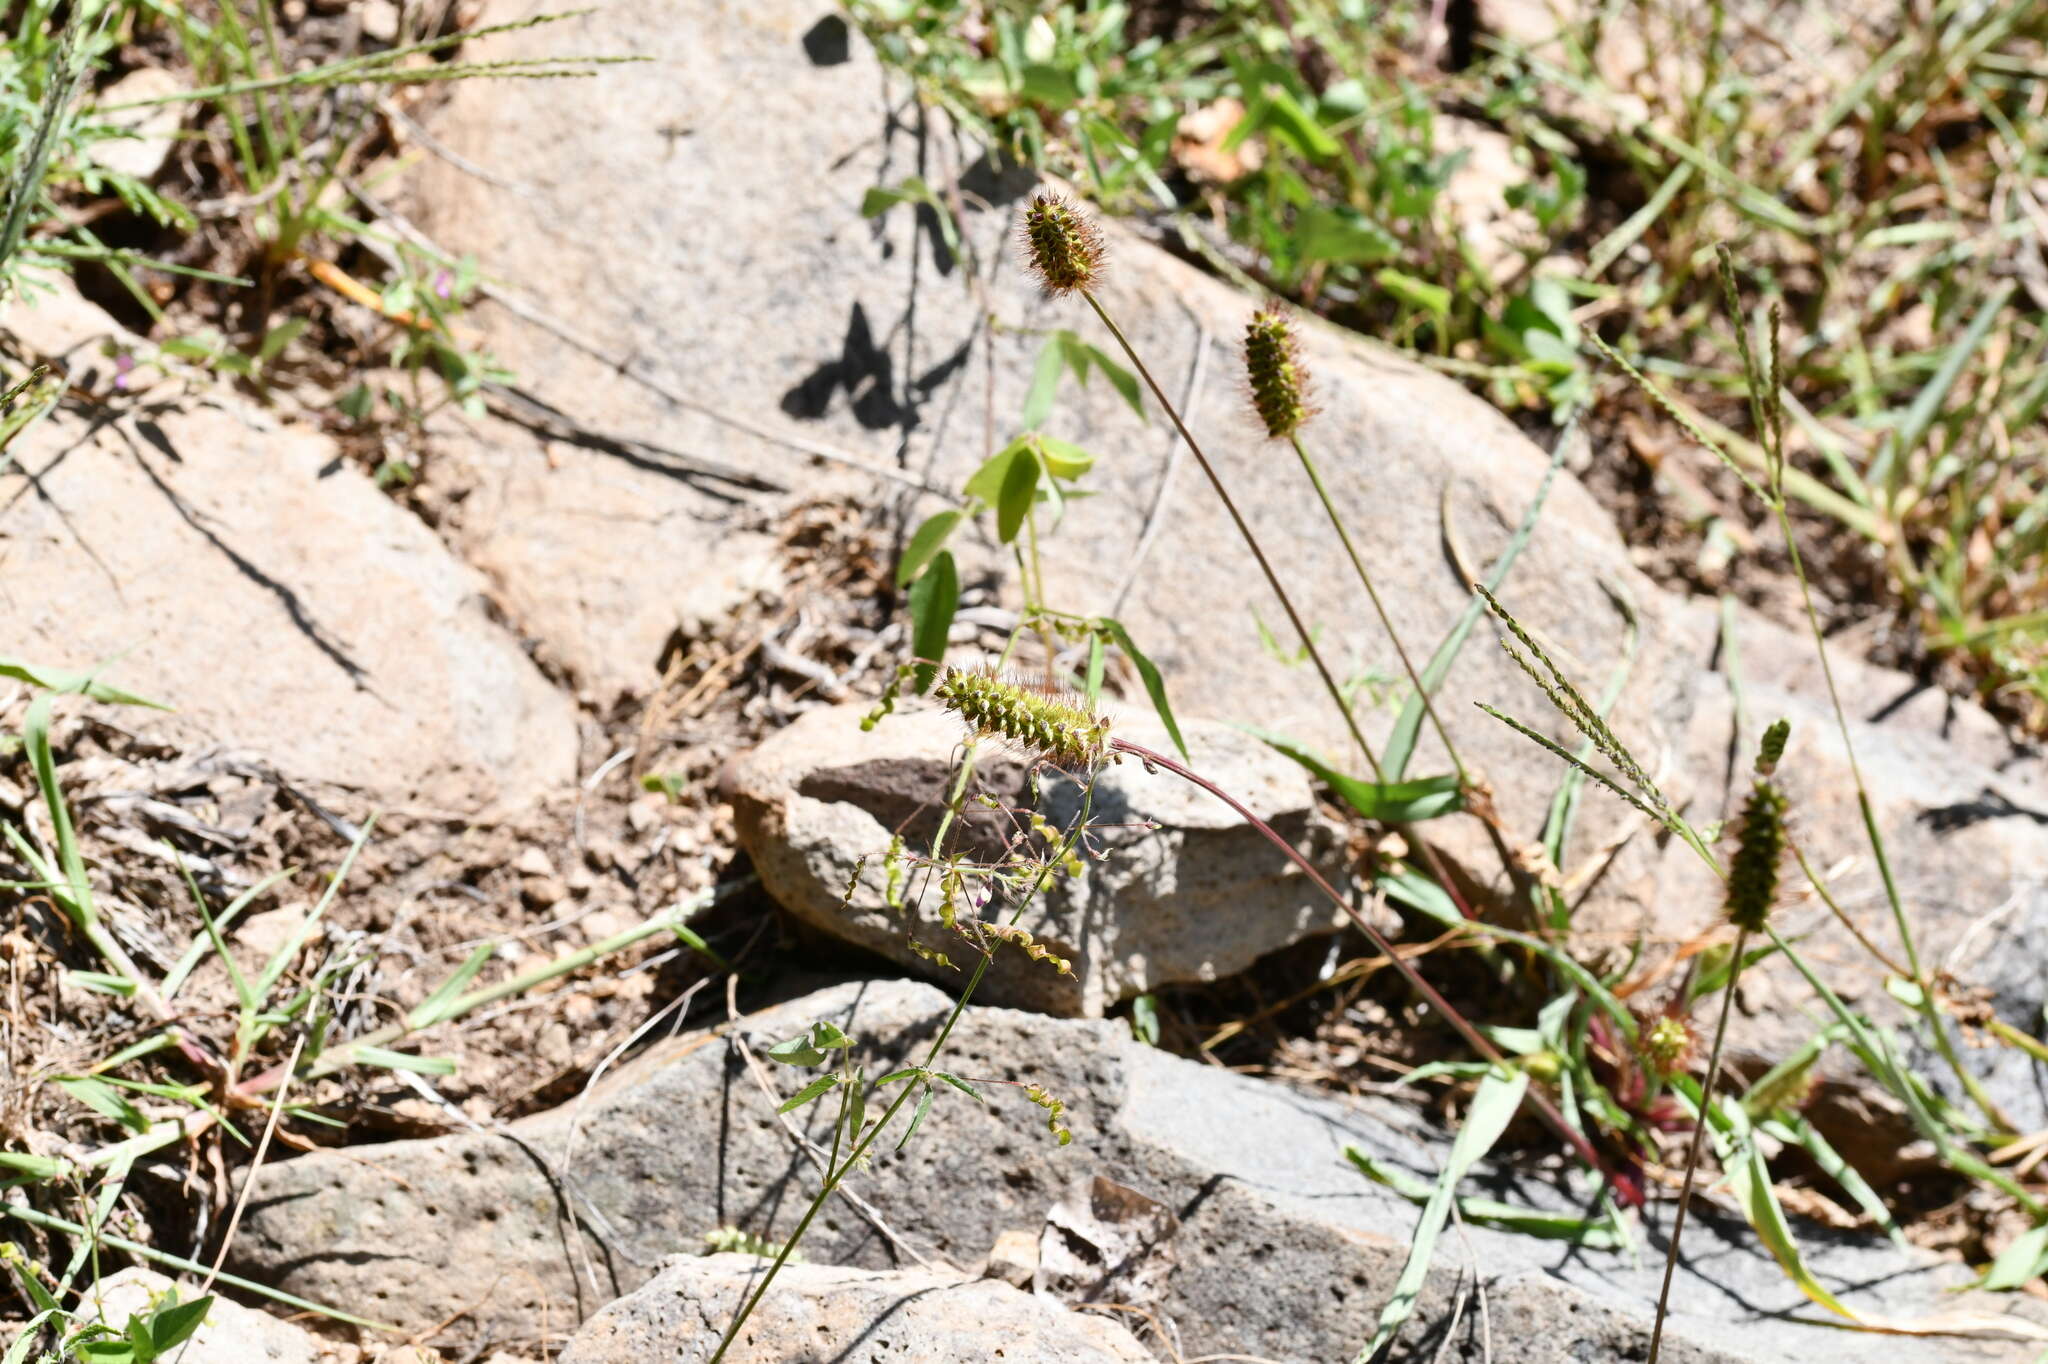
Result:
[846,1316]
[701,213]
[242,572]
[1283,1250]
[1176,888]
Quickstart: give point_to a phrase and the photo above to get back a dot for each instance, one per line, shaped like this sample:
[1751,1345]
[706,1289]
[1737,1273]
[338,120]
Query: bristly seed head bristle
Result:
[1272,366]
[1753,872]
[1063,730]
[1062,248]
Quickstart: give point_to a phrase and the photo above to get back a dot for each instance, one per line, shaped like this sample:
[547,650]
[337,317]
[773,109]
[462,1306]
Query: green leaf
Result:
[437,1006]
[103,1099]
[35,1167]
[1393,803]
[1063,459]
[1120,379]
[811,1092]
[1019,490]
[1285,116]
[1591,1233]
[1750,1179]
[925,542]
[933,599]
[1145,1020]
[924,1106]
[809,1048]
[1155,685]
[1493,1104]
[402,1060]
[2021,1262]
[797,1051]
[969,1090]
[1343,236]
[278,337]
[1045,382]
[1097,656]
[987,482]
[174,1322]
[85,684]
[1047,84]
[1416,293]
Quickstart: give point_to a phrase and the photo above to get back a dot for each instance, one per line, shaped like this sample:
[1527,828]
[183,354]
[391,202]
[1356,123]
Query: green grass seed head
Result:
[1060,729]
[1753,873]
[1062,248]
[1273,368]
[1772,751]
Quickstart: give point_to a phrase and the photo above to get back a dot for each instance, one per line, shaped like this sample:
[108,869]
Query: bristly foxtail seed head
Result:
[1772,751]
[1062,248]
[1753,872]
[1272,366]
[1060,730]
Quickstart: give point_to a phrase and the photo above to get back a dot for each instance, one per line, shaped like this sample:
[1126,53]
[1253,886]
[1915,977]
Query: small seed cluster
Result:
[1753,871]
[1062,248]
[1061,730]
[1668,1045]
[1273,369]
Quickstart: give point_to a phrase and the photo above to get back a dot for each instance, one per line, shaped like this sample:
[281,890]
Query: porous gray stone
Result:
[1174,886]
[820,1313]
[239,570]
[1283,1250]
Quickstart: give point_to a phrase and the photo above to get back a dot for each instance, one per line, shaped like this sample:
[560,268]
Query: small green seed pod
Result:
[1772,751]
[1753,872]
[1062,248]
[1272,367]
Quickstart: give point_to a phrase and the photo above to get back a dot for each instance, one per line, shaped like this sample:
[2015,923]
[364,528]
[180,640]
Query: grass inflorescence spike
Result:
[1273,368]
[1062,248]
[1058,728]
[1759,851]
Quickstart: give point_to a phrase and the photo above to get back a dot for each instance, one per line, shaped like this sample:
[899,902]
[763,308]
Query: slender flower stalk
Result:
[1066,255]
[1752,888]
[1281,396]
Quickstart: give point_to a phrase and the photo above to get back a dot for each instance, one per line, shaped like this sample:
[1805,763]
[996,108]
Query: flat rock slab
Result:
[819,1313]
[1283,1250]
[702,214]
[244,574]
[1174,887]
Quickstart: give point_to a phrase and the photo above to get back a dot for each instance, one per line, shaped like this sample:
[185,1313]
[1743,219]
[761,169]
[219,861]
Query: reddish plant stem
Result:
[1573,1137]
